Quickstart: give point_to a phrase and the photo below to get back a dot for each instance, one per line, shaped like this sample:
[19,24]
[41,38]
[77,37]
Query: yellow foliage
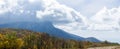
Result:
[35,47]
[2,37]
[19,42]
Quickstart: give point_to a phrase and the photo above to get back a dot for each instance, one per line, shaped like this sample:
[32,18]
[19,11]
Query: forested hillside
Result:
[25,39]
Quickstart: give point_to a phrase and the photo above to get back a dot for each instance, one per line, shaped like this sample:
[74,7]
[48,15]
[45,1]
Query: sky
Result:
[90,7]
[86,18]
[97,11]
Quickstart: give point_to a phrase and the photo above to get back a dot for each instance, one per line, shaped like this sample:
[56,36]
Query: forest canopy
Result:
[25,39]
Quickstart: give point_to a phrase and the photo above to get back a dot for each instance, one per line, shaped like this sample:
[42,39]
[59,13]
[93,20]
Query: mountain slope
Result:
[46,27]
[92,39]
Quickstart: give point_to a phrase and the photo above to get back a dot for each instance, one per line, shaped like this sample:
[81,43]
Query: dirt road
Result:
[109,47]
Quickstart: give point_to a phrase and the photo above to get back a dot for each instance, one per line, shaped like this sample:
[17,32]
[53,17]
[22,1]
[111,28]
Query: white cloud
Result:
[53,11]
[63,17]
[106,19]
[2,2]
[90,7]
[7,5]
[59,13]
[31,1]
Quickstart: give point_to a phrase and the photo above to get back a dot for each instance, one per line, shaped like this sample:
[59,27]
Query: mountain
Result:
[46,27]
[92,39]
[27,15]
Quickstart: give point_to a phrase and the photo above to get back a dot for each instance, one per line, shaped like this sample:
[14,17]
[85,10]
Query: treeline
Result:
[24,39]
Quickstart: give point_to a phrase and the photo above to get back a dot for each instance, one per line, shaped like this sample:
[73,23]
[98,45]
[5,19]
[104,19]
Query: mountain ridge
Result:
[46,27]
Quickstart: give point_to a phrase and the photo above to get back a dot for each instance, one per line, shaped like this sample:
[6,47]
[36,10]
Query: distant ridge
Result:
[92,39]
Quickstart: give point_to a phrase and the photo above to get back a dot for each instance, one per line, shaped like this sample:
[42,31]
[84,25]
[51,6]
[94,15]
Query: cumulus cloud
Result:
[58,13]
[63,16]
[106,19]
[14,6]
[47,10]
[90,7]
[7,5]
